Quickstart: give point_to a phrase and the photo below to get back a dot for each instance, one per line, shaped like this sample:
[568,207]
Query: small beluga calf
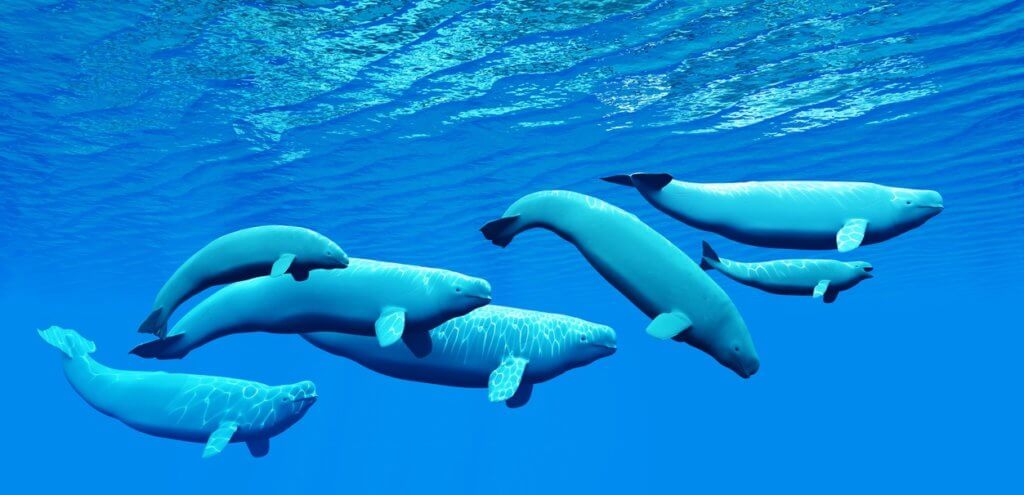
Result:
[265,250]
[790,214]
[388,300]
[194,408]
[823,279]
[507,350]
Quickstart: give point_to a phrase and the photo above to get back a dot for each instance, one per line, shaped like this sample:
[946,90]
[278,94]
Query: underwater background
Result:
[133,133]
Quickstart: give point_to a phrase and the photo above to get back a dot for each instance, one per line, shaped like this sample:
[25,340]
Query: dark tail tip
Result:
[652,181]
[707,256]
[158,348]
[155,324]
[495,230]
[622,180]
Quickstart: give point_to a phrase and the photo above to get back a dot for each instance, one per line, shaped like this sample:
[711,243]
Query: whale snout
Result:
[303,393]
[477,289]
[604,339]
[932,201]
[750,368]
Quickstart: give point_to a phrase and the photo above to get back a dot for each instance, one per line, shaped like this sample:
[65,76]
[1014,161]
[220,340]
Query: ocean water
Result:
[132,133]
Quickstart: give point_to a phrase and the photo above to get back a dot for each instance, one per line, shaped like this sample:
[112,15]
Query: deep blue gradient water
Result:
[132,133]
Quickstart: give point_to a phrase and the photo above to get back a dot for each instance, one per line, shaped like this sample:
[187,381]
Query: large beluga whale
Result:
[823,279]
[194,408]
[790,214]
[683,301]
[369,297]
[241,255]
[506,350]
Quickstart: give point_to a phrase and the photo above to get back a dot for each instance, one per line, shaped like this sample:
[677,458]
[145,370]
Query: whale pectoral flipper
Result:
[219,438]
[419,343]
[668,325]
[521,397]
[821,288]
[505,379]
[851,235]
[282,264]
[259,447]
[389,326]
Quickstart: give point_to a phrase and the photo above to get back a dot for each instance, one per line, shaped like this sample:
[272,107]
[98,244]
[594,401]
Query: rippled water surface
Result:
[134,132]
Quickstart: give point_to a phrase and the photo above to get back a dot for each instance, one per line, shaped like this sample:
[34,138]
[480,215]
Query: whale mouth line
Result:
[932,206]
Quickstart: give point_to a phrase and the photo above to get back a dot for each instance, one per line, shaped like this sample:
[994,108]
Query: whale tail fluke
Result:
[68,341]
[651,181]
[708,257]
[500,231]
[160,348]
[622,180]
[647,181]
[155,323]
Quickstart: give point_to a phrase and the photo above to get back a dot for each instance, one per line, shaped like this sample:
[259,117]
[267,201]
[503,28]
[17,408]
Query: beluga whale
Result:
[241,255]
[369,297]
[194,408]
[684,302]
[506,350]
[790,214]
[822,279]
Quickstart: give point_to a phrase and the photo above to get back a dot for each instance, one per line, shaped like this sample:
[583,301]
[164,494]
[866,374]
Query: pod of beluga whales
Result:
[436,326]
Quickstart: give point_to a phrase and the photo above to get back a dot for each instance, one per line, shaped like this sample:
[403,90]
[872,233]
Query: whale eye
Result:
[458,289]
[583,338]
[908,202]
[736,348]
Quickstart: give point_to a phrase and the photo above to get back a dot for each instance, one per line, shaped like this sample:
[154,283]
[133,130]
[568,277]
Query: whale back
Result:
[242,255]
[802,207]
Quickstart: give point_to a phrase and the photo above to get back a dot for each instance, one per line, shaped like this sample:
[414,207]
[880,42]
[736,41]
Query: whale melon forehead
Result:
[399,268]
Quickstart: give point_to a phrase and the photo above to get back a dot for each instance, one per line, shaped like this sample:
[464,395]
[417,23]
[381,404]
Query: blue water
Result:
[132,133]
